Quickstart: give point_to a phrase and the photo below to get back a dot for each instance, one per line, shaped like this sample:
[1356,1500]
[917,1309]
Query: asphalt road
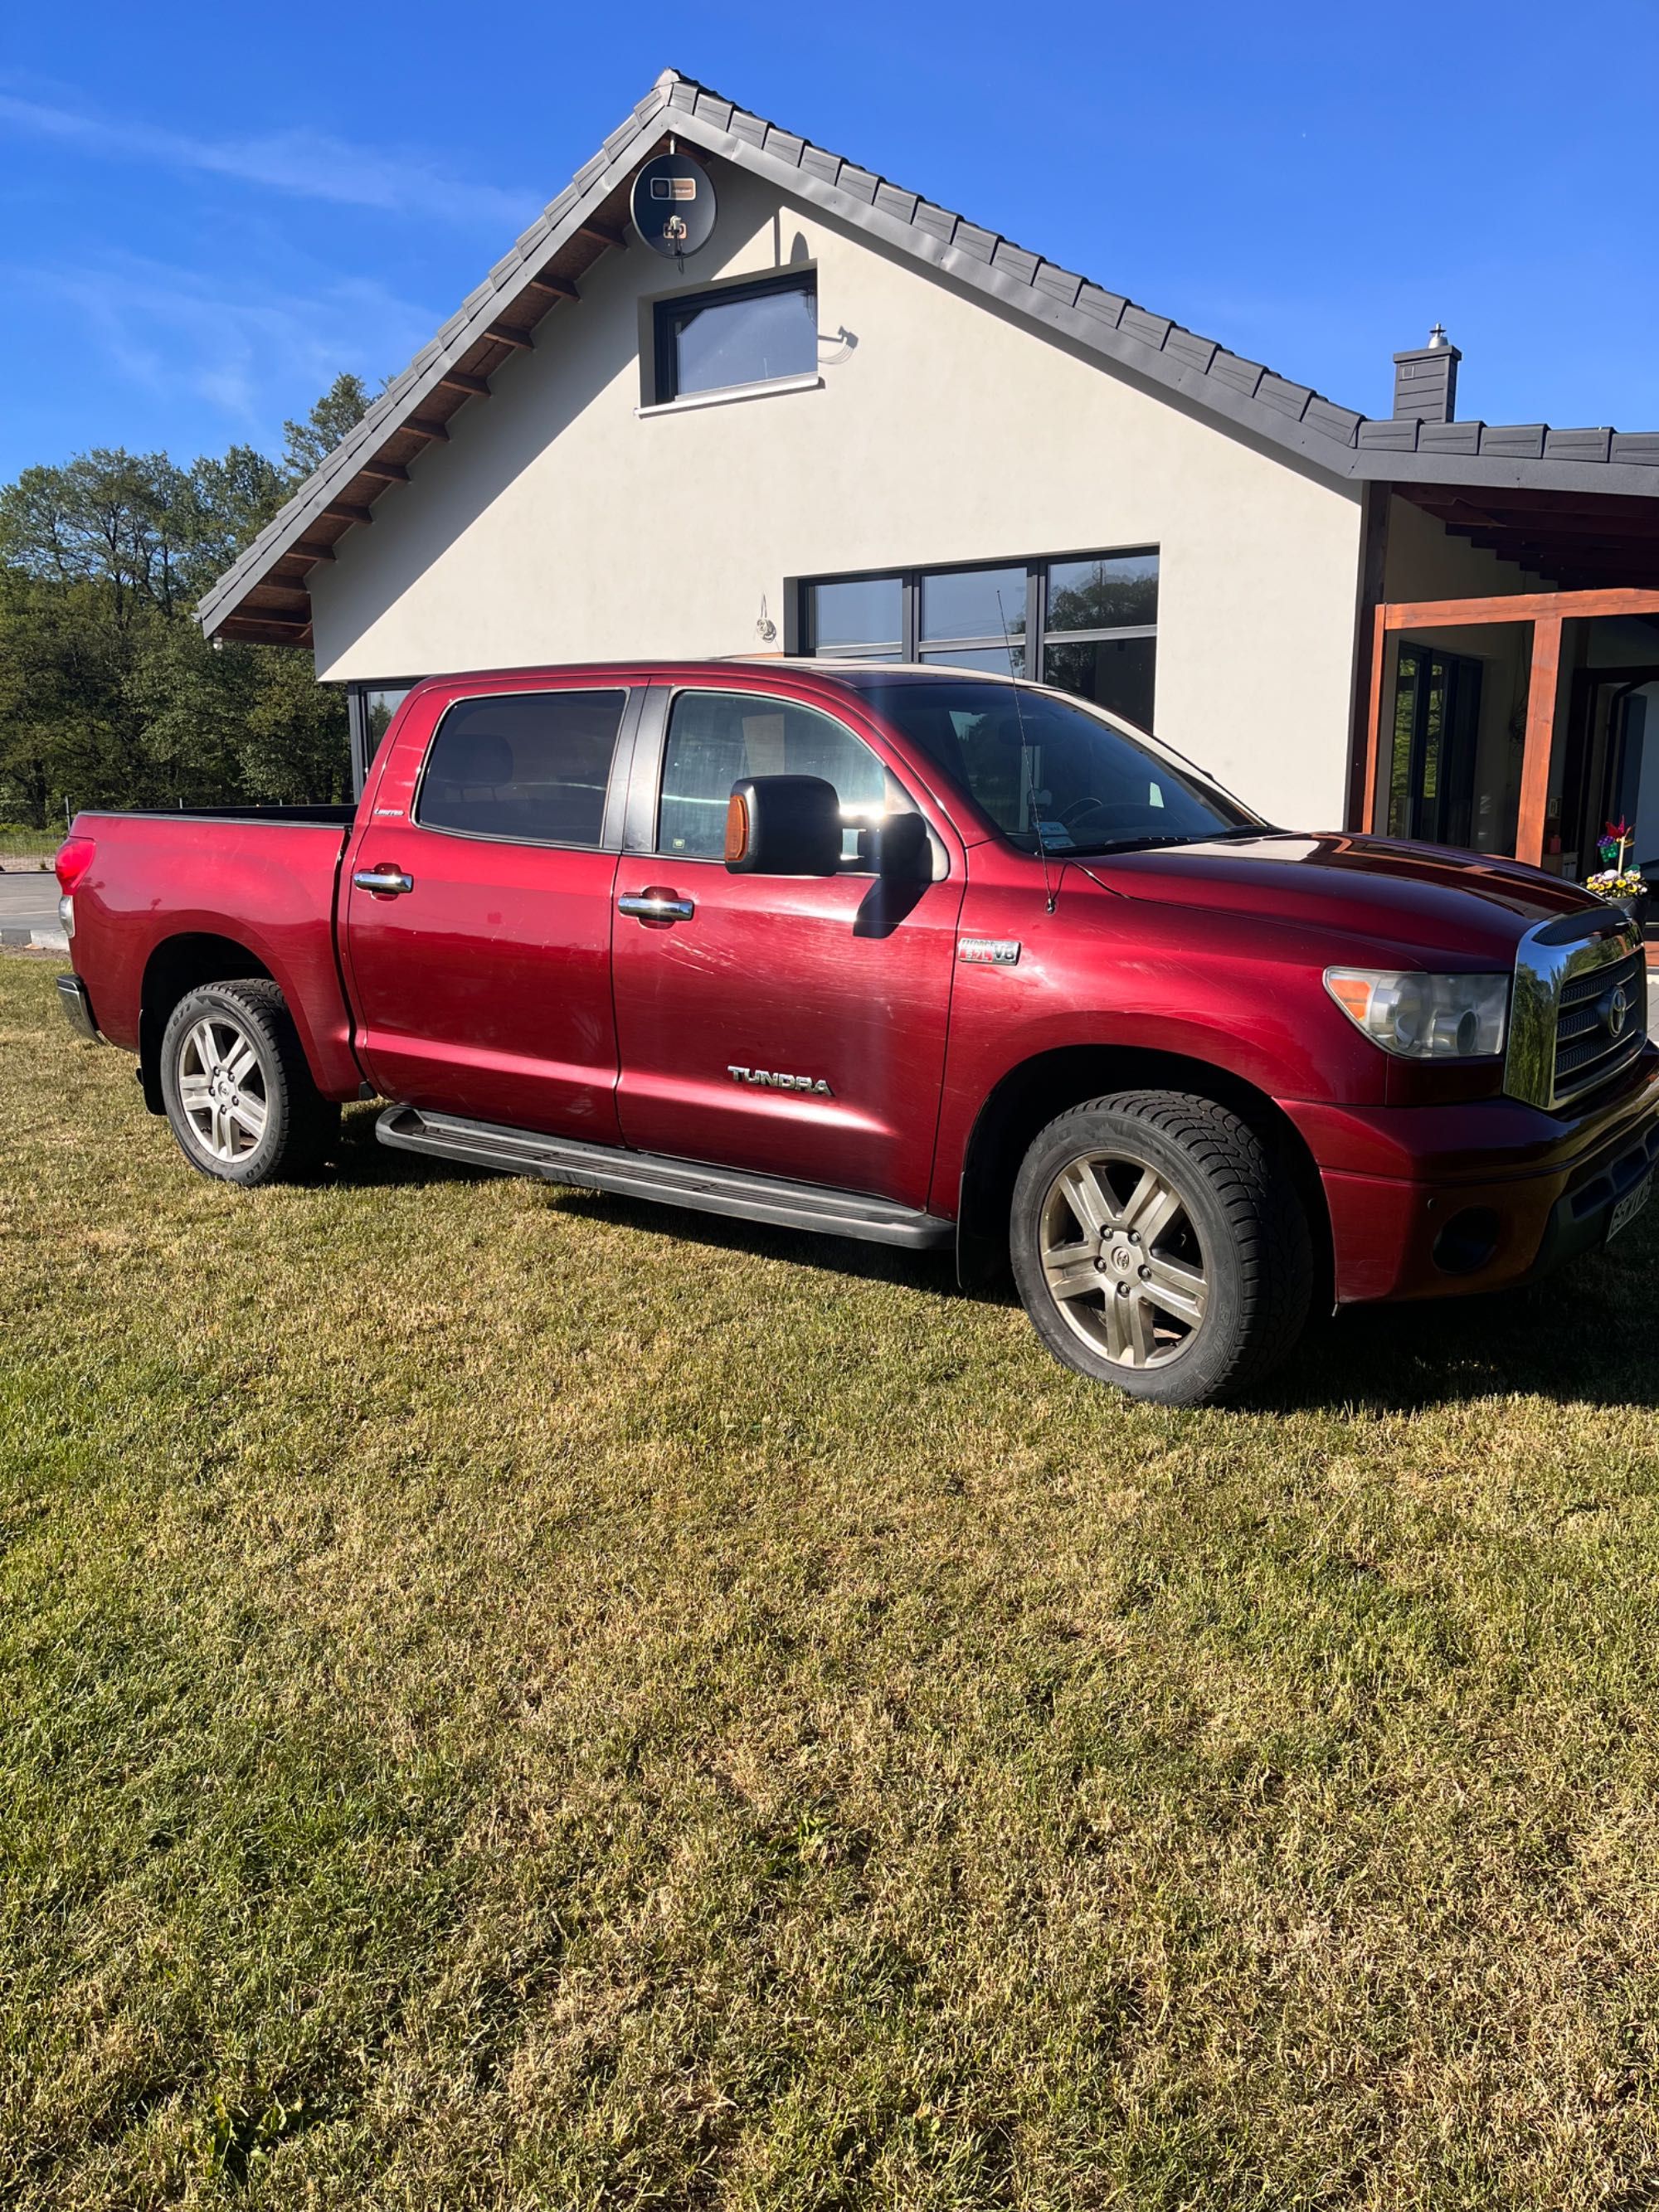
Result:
[28,901]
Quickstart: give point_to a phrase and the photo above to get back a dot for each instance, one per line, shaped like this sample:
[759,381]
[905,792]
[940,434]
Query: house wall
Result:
[557,524]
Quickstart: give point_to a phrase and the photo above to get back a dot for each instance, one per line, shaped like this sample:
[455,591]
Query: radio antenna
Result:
[1027,772]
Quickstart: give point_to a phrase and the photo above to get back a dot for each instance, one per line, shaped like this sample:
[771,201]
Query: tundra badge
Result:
[767,1081]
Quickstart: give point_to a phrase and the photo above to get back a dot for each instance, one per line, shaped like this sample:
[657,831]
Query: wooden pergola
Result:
[1546,612]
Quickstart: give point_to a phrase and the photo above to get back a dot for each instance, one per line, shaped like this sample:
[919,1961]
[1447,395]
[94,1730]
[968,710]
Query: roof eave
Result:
[461,335]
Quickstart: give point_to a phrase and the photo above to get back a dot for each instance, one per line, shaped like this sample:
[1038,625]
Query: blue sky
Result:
[209,212]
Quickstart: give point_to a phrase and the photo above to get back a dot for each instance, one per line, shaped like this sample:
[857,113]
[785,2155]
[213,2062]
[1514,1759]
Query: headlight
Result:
[1425,1016]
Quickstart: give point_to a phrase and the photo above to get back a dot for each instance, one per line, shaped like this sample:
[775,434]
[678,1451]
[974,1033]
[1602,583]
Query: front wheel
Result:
[1158,1244]
[237,1090]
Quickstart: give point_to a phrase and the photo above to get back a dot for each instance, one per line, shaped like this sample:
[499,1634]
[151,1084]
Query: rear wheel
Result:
[238,1092]
[1158,1244]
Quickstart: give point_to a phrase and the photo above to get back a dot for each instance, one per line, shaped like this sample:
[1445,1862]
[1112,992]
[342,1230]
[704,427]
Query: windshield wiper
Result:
[1130,845]
[1153,844]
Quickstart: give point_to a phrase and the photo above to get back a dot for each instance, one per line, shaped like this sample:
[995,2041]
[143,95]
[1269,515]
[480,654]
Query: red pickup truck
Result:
[920,955]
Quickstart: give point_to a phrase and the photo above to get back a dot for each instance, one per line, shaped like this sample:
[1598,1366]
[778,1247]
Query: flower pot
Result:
[1637,908]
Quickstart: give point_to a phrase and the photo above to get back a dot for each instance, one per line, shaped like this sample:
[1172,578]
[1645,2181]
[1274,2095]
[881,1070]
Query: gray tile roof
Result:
[1200,372]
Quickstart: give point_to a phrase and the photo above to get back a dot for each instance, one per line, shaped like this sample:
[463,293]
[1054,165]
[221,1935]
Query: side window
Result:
[715,738]
[529,765]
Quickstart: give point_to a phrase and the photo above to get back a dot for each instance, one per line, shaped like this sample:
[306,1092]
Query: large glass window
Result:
[969,617]
[1107,592]
[370,709]
[1116,674]
[1040,768]
[531,766]
[861,618]
[1096,614]
[379,708]
[742,334]
[715,738]
[1437,736]
[1100,631]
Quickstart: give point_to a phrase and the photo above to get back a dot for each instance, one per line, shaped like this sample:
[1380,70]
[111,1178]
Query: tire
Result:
[237,1090]
[1192,1279]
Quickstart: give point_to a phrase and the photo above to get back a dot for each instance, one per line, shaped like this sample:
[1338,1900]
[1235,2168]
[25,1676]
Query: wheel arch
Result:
[176,965]
[1030,1095]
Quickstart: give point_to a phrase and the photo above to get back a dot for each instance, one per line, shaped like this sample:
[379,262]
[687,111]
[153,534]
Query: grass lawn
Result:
[512,1698]
[38,847]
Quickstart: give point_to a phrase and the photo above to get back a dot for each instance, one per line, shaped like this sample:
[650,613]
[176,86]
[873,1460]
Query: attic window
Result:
[737,334]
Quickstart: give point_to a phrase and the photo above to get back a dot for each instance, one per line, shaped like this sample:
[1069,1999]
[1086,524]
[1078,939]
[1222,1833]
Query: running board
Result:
[671,1183]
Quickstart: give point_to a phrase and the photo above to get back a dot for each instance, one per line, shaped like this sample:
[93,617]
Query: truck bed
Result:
[261,884]
[339,817]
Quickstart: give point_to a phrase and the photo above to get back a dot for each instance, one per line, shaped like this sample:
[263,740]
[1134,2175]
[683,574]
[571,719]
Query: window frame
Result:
[665,391]
[358,694]
[653,764]
[615,786]
[916,651]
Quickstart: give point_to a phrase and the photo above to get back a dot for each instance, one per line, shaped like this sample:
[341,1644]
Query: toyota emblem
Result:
[1615,1011]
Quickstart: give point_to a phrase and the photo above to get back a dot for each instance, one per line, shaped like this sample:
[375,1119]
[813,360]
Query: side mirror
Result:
[900,849]
[783,825]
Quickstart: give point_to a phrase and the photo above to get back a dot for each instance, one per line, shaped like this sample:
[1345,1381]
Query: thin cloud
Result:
[250,357]
[308,163]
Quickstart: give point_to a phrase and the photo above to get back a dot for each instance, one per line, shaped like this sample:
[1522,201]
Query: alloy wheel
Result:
[1122,1259]
[221,1089]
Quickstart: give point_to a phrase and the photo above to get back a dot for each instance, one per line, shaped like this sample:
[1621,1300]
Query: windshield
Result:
[1043,768]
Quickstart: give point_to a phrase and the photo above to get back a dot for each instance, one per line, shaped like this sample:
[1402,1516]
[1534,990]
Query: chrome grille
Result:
[1561,1047]
[1586,1050]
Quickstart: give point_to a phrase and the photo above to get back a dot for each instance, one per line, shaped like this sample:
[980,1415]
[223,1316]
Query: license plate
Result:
[1629,1206]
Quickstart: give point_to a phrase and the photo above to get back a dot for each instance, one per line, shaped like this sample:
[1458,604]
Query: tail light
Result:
[75,857]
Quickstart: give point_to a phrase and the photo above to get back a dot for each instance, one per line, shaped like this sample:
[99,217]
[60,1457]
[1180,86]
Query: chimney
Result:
[1425,382]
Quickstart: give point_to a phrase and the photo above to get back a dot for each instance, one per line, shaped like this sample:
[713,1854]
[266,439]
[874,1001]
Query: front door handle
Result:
[386,883]
[660,907]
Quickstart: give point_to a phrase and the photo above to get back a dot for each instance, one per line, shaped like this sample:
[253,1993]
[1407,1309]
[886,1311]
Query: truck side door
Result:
[476,903]
[761,1024]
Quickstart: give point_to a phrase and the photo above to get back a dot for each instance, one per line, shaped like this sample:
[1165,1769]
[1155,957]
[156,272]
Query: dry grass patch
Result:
[510,1699]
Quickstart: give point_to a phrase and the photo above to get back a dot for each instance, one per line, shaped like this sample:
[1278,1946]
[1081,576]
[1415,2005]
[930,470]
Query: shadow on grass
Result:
[719,1232]
[1584,1335]
[361,1161]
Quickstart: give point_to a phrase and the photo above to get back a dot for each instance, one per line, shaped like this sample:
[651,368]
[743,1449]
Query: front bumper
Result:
[1440,1202]
[76,1003]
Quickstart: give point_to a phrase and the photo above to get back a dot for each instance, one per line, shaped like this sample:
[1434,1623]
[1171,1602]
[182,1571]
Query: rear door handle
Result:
[387,882]
[657,905]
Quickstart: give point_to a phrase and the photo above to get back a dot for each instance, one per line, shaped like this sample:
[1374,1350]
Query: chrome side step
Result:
[671,1183]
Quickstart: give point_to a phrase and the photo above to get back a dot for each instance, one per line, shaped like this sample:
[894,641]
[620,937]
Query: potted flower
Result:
[1619,880]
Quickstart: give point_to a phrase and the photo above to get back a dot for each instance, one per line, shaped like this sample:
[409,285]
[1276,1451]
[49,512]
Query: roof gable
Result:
[265,595]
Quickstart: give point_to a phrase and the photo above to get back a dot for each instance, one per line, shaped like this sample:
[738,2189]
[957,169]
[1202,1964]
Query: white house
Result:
[851,422]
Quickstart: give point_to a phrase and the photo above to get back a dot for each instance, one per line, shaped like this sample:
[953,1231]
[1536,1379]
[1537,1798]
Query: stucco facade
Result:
[567,520]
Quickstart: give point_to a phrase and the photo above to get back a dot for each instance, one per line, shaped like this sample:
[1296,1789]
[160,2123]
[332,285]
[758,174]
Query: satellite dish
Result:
[672,205]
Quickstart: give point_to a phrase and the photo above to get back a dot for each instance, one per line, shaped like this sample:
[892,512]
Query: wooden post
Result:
[1535,759]
[1368,806]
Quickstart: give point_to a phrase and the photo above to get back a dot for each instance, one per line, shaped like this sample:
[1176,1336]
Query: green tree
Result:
[309,443]
[109,694]
[108,517]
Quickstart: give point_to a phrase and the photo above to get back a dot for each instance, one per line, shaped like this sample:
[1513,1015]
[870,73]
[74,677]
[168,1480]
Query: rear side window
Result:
[715,738]
[531,765]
